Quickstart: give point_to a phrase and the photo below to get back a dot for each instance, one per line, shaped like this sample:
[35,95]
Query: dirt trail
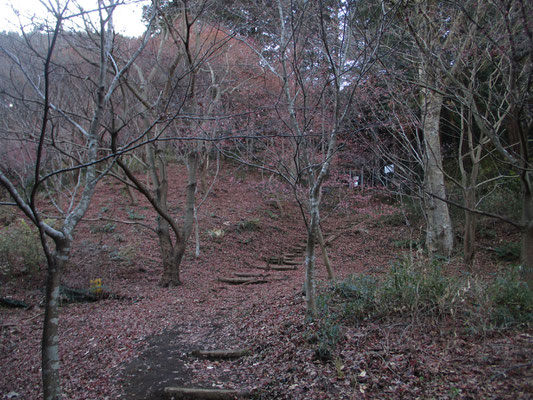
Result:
[169,360]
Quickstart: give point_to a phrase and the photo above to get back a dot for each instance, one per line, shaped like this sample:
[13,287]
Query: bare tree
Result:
[481,64]
[63,138]
[176,97]
[318,52]
[427,22]
[496,58]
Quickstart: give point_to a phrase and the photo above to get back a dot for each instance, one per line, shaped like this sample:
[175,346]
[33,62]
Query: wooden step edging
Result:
[282,261]
[250,275]
[204,394]
[291,262]
[221,353]
[242,280]
[277,267]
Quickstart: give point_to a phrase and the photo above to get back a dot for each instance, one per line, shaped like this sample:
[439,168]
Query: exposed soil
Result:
[132,348]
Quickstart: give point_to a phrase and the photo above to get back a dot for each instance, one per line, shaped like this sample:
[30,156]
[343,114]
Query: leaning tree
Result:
[175,92]
[58,85]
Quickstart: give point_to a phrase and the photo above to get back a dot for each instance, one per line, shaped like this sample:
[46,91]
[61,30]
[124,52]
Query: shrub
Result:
[359,294]
[133,215]
[417,289]
[415,285]
[487,233]
[20,249]
[502,198]
[474,307]
[271,214]
[408,244]
[216,234]
[412,206]
[395,219]
[250,225]
[509,251]
[108,227]
[127,253]
[328,330]
[6,216]
[512,300]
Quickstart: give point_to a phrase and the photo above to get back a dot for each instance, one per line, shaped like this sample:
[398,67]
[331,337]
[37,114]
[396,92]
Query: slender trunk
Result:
[310,281]
[205,193]
[527,234]
[439,234]
[468,183]
[50,338]
[192,168]
[469,245]
[325,253]
[196,234]
[131,194]
[204,169]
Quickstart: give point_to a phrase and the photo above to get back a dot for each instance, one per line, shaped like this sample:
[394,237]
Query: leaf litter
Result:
[133,348]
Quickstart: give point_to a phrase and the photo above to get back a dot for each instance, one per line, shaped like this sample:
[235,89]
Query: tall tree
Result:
[63,139]
[481,63]
[318,52]
[176,95]
[428,23]
[496,57]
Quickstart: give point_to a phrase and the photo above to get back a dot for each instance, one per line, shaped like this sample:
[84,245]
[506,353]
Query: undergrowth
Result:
[20,249]
[250,225]
[508,251]
[420,292]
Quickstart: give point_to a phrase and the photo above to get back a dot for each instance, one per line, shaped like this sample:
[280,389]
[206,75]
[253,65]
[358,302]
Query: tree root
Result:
[504,373]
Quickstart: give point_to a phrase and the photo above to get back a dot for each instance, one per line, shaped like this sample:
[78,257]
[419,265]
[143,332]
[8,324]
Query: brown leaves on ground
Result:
[133,348]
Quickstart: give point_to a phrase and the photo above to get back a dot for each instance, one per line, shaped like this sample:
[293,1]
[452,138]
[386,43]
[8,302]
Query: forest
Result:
[278,199]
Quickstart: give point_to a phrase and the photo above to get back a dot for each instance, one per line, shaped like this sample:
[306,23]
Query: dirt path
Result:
[234,317]
[168,361]
[228,321]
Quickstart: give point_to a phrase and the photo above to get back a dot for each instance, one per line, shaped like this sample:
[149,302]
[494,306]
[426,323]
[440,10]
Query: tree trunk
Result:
[325,253]
[527,233]
[469,245]
[439,234]
[469,183]
[310,282]
[196,234]
[203,169]
[193,159]
[171,255]
[50,338]
[129,190]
